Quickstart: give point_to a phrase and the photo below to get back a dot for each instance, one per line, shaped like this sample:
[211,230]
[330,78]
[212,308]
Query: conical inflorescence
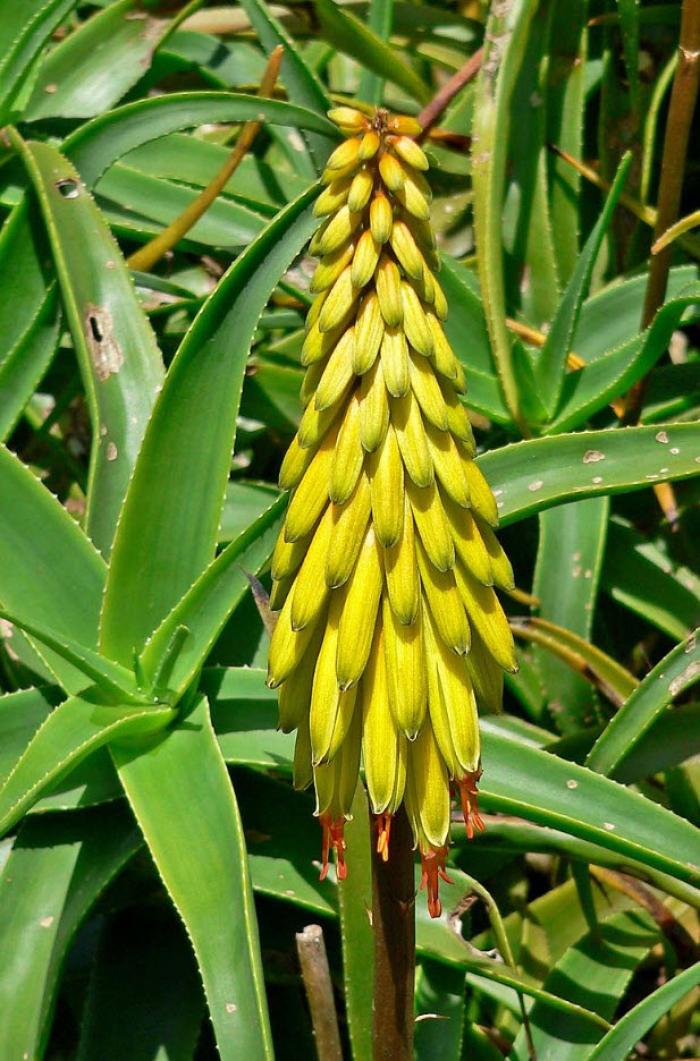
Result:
[390,631]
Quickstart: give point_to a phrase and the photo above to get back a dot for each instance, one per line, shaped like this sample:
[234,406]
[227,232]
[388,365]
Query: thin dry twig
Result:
[147,256]
[432,110]
[316,975]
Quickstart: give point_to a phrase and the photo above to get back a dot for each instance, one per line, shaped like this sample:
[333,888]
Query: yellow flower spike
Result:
[310,589]
[287,646]
[337,231]
[381,218]
[387,490]
[303,774]
[409,152]
[374,408]
[339,302]
[418,331]
[482,500]
[392,172]
[328,271]
[386,559]
[487,616]
[295,692]
[337,373]
[287,557]
[345,154]
[410,433]
[394,355]
[332,198]
[427,391]
[349,527]
[501,567]
[456,703]
[431,521]
[349,456]
[369,146]
[406,670]
[469,542]
[402,581]
[365,260]
[360,189]
[404,247]
[360,607]
[335,785]
[383,746]
[448,464]
[350,120]
[388,281]
[369,329]
[296,461]
[310,497]
[444,603]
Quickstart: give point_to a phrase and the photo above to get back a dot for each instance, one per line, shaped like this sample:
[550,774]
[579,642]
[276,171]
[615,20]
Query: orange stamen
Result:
[333,837]
[469,793]
[383,832]
[433,865]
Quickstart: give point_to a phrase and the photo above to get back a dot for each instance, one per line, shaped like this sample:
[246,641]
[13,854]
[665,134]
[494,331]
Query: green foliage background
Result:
[148,907]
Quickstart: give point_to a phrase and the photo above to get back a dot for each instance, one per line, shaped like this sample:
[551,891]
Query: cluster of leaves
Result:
[132,659]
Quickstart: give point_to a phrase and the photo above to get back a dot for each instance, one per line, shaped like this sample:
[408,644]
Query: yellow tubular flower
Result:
[390,632]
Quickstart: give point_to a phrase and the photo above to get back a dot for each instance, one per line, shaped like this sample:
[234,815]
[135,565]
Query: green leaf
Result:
[530,476]
[99,61]
[57,869]
[595,972]
[356,936]
[145,997]
[589,389]
[182,797]
[541,787]
[628,11]
[550,362]
[27,361]
[169,527]
[675,673]
[569,559]
[379,21]
[118,354]
[506,39]
[71,732]
[672,738]
[21,714]
[621,1039]
[25,28]
[204,609]
[440,1006]
[245,502]
[50,574]
[109,676]
[353,38]
[96,145]
[244,714]
[639,576]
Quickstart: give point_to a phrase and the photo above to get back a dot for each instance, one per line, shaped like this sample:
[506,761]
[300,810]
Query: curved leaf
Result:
[182,797]
[24,29]
[169,526]
[119,357]
[530,476]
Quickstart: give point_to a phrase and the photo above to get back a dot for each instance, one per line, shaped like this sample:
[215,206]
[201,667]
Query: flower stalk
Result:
[390,631]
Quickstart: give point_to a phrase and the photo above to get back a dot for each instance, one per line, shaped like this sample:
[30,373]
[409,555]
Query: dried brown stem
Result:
[680,117]
[319,991]
[432,111]
[147,256]
[393,924]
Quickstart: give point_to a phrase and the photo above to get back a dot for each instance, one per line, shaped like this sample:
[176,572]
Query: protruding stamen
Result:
[433,865]
[333,837]
[383,831]
[469,793]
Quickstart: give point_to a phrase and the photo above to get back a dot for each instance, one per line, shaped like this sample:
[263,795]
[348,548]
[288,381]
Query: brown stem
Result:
[680,116]
[319,991]
[393,924]
[432,111]
[147,256]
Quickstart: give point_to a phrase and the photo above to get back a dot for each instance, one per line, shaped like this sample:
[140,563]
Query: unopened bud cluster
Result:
[390,630]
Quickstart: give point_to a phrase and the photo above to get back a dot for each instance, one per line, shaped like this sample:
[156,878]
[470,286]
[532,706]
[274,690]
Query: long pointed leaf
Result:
[182,797]
[169,526]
